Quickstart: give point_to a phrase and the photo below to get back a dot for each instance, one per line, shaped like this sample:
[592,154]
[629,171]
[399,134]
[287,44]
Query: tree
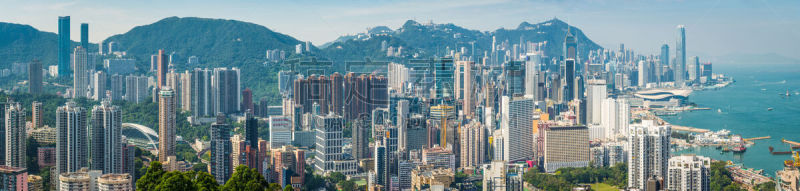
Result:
[347,185]
[274,187]
[245,178]
[336,177]
[288,188]
[204,181]
[175,181]
[151,178]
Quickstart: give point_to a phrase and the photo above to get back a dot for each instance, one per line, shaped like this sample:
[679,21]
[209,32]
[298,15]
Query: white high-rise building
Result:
[72,144]
[80,81]
[616,117]
[596,93]
[280,131]
[517,125]
[644,73]
[15,136]
[648,149]
[99,80]
[688,172]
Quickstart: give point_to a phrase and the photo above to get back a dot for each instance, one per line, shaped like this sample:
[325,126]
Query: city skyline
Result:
[715,29]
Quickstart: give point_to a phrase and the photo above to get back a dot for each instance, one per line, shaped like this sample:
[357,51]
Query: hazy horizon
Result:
[713,28]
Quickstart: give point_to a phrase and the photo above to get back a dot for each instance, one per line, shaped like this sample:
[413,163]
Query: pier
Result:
[689,129]
[757,138]
[791,142]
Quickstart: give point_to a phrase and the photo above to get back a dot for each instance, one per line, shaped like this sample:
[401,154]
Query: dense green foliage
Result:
[768,186]
[566,178]
[158,179]
[246,178]
[23,43]
[720,178]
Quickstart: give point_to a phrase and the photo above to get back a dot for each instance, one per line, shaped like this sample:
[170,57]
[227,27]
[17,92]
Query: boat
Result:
[769,109]
[726,149]
[739,149]
[719,110]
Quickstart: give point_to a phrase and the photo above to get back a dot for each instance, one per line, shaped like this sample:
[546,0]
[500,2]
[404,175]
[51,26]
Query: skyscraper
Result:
[163,68]
[107,125]
[99,83]
[202,102]
[329,156]
[570,45]
[117,87]
[85,35]
[247,101]
[517,128]
[64,46]
[166,123]
[648,149]
[381,165]
[72,144]
[664,61]
[136,88]
[364,93]
[35,77]
[680,56]
[227,92]
[532,63]
[80,79]
[251,129]
[473,144]
[463,86]
[569,80]
[644,73]
[15,136]
[221,150]
[36,112]
[360,136]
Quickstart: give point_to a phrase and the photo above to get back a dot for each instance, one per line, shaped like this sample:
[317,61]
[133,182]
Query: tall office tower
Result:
[532,62]
[644,73]
[363,94]
[594,104]
[166,123]
[648,149]
[329,156]
[693,67]
[360,136]
[221,150]
[251,129]
[35,77]
[162,69]
[136,88]
[107,119]
[398,76]
[99,82]
[280,130]
[569,80]
[285,82]
[247,100]
[664,60]
[15,136]
[473,144]
[337,94]
[463,86]
[688,172]
[117,87]
[514,72]
[565,146]
[202,100]
[85,35]
[517,128]
[381,164]
[153,62]
[616,116]
[570,45]
[64,46]
[227,91]
[36,112]
[680,56]
[402,123]
[80,79]
[72,144]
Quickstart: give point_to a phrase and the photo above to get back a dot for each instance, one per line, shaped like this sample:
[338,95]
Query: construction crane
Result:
[795,162]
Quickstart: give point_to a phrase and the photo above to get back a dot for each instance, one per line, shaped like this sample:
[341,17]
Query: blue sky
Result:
[714,27]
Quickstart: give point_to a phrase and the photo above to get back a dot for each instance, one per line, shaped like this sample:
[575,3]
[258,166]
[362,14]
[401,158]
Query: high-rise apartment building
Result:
[247,101]
[136,88]
[107,145]
[565,146]
[80,80]
[115,182]
[72,142]
[202,100]
[13,178]
[360,139]
[15,136]
[363,94]
[532,64]
[616,117]
[596,93]
[36,112]
[473,144]
[517,128]
[35,77]
[220,163]
[464,86]
[289,159]
[64,46]
[166,123]
[227,92]
[117,87]
[162,69]
[688,172]
[648,155]
[644,73]
[99,80]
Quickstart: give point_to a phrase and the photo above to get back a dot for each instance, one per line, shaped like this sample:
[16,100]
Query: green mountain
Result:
[437,39]
[216,42]
[23,43]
